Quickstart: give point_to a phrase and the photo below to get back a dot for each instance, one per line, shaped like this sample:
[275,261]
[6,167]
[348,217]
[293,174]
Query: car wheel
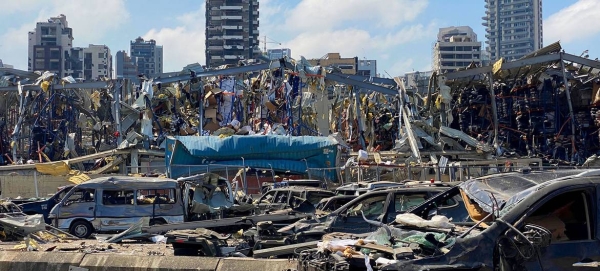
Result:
[81,229]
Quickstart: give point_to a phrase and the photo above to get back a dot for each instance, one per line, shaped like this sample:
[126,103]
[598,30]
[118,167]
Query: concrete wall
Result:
[22,183]
[56,261]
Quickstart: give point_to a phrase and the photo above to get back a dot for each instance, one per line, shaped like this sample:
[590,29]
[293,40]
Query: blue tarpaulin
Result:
[186,155]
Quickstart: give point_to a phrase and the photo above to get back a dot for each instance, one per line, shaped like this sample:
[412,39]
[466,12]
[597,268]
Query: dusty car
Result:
[331,204]
[281,198]
[525,221]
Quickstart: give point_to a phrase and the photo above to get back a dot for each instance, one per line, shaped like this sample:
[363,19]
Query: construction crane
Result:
[265,43]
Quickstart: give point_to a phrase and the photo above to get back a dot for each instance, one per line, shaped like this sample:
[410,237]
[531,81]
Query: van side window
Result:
[117,197]
[81,195]
[155,196]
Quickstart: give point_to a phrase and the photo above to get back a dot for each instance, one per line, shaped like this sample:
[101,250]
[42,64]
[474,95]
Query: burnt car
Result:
[281,198]
[383,205]
[328,205]
[380,205]
[544,220]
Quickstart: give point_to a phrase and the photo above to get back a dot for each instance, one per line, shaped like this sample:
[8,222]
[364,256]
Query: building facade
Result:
[231,31]
[49,46]
[279,53]
[417,82]
[101,62]
[367,67]
[125,68]
[456,47]
[348,65]
[147,56]
[513,28]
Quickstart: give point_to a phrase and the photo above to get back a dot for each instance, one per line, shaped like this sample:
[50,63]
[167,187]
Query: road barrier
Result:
[58,261]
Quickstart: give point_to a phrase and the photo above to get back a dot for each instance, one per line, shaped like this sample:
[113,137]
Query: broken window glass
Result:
[118,197]
[81,195]
[156,196]
[370,206]
[566,216]
[404,202]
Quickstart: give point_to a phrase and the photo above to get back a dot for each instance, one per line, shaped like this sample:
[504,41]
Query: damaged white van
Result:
[115,203]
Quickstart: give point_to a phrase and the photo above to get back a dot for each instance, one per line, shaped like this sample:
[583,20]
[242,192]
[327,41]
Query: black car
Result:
[383,205]
[331,204]
[546,220]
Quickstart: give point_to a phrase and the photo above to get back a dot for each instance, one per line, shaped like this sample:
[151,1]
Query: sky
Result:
[399,34]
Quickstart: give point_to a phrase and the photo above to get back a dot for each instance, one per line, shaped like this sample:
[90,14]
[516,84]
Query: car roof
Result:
[128,181]
[301,188]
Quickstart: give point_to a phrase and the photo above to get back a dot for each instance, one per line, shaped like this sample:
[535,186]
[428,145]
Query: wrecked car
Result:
[328,205]
[44,206]
[211,196]
[359,188]
[115,203]
[524,221]
[15,224]
[281,198]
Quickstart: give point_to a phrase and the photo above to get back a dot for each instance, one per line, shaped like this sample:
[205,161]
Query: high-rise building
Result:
[49,46]
[147,56]
[90,63]
[97,62]
[456,47]
[125,67]
[279,53]
[231,31]
[513,28]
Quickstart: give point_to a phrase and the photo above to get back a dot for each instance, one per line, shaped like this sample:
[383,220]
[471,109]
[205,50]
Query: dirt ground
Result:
[126,247]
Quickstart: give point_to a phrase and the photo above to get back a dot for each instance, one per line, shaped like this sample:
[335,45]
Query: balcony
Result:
[231,7]
[233,37]
[232,27]
[228,47]
[231,17]
[216,57]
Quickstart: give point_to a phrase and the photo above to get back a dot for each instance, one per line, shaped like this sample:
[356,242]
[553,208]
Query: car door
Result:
[571,217]
[350,219]
[80,203]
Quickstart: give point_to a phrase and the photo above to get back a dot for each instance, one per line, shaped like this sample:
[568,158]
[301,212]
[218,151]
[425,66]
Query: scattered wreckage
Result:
[521,221]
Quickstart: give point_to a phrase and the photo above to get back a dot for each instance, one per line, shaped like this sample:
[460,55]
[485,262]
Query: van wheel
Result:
[81,229]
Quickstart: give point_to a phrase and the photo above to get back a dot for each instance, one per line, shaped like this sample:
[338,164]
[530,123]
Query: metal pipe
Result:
[568,92]
[117,109]
[244,181]
[494,108]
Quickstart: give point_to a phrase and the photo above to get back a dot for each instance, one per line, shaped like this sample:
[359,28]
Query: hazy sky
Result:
[397,33]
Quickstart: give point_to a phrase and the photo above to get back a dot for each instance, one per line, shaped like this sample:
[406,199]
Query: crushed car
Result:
[543,220]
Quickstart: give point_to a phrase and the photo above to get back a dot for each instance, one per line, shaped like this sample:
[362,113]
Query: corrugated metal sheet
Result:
[282,153]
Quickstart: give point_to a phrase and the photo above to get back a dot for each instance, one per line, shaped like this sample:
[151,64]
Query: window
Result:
[100,55]
[567,216]
[39,64]
[370,207]
[156,196]
[315,197]
[39,52]
[117,197]
[81,195]
[268,197]
[404,202]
